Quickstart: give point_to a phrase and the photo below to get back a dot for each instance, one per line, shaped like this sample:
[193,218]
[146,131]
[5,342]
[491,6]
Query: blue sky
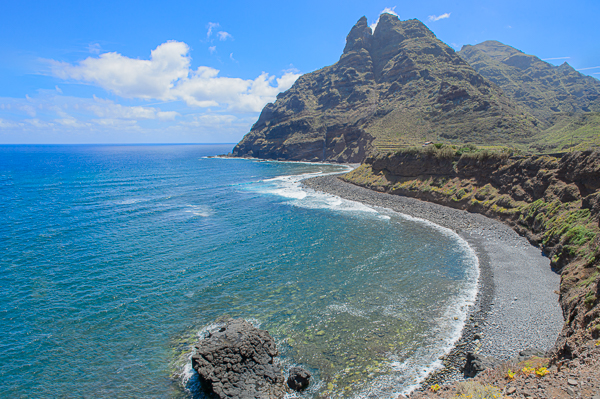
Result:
[200,71]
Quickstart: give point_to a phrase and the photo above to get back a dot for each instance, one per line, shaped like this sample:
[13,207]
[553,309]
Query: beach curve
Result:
[517,303]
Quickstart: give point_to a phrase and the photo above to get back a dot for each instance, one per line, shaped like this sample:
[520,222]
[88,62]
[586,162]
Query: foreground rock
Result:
[477,363]
[298,379]
[238,361]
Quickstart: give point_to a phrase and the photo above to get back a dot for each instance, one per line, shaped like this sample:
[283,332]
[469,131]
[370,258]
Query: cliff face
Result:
[541,88]
[555,202]
[395,86]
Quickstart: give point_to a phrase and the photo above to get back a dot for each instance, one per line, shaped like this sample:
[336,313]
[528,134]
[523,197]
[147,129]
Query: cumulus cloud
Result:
[167,76]
[128,77]
[386,10]
[212,49]
[438,17]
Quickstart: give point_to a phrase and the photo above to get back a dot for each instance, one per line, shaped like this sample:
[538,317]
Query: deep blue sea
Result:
[115,259]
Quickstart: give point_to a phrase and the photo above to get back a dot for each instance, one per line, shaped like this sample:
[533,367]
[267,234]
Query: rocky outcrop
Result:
[238,361]
[396,85]
[476,364]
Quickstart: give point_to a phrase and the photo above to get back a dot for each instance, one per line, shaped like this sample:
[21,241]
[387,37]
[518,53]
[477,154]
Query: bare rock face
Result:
[238,361]
[396,85]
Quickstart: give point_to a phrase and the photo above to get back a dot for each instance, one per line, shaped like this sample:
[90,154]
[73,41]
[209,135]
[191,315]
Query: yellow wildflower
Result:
[528,370]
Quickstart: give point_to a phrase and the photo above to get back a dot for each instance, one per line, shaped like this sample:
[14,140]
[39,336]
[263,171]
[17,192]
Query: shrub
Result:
[476,390]
[590,299]
[579,235]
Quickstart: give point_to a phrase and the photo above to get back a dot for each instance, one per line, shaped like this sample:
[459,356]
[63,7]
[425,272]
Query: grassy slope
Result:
[576,132]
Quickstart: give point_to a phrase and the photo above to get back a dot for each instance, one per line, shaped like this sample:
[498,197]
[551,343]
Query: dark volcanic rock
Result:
[394,86]
[298,379]
[476,364]
[238,361]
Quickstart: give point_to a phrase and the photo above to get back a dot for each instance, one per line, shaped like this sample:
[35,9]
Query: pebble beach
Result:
[517,305]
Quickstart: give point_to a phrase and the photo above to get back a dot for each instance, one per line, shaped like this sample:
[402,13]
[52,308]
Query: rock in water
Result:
[298,379]
[238,361]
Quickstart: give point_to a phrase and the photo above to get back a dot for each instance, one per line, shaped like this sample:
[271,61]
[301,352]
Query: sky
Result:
[84,72]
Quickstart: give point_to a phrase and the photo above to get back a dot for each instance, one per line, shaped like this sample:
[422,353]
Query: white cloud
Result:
[128,77]
[94,48]
[4,124]
[71,123]
[167,76]
[211,120]
[72,112]
[116,124]
[555,58]
[224,36]
[210,27]
[212,49]
[438,17]
[585,69]
[386,10]
[58,89]
[108,109]
[30,110]
[38,123]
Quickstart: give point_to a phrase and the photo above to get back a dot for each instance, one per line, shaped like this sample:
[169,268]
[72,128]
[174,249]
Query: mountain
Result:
[393,87]
[539,87]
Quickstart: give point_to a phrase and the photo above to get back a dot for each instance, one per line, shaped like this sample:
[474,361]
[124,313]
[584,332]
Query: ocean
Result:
[115,259]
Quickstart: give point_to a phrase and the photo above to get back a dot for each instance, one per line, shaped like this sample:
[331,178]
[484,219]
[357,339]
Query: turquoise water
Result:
[114,259]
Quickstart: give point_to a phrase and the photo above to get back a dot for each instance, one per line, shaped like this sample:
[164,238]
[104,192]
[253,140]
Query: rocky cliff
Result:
[395,86]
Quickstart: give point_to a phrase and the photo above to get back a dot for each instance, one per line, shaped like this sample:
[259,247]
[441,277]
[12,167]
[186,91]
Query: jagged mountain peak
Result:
[396,85]
[360,36]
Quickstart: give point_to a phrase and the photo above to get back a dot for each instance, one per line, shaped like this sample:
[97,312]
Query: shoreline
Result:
[516,307]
